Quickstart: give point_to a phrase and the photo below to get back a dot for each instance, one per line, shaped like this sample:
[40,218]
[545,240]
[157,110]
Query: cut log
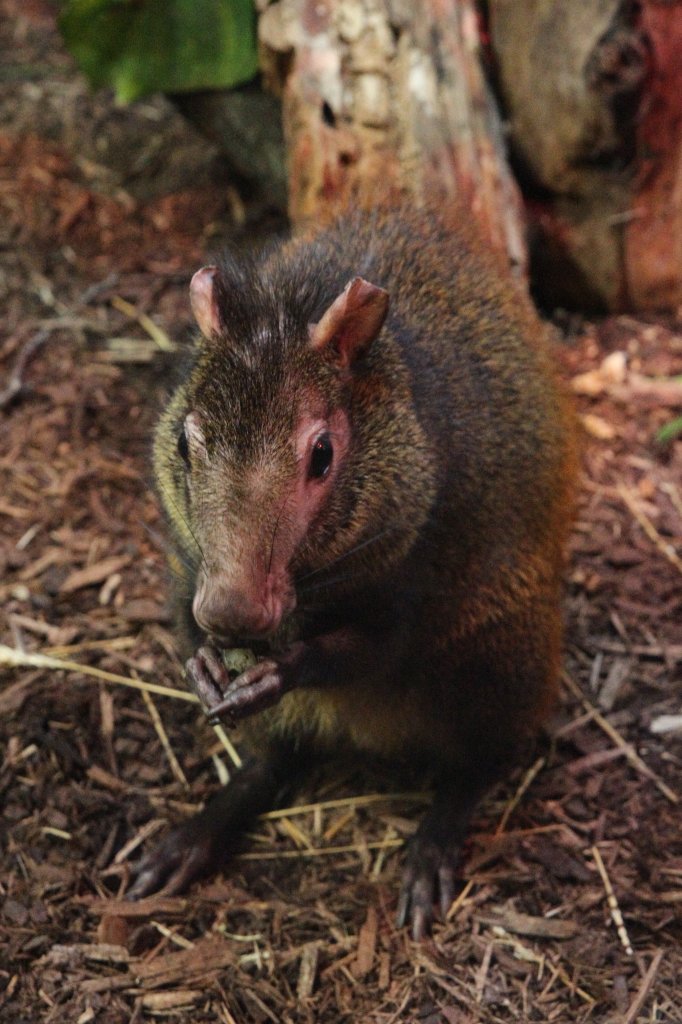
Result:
[593,91]
[388,95]
[653,233]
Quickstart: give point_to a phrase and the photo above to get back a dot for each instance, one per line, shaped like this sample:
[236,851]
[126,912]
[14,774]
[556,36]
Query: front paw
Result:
[257,688]
[207,676]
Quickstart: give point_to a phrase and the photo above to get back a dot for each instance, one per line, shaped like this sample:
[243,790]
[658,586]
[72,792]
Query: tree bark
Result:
[381,96]
[389,95]
[653,233]
[593,91]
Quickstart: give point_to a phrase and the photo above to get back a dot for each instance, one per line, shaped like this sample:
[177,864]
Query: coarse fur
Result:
[441,539]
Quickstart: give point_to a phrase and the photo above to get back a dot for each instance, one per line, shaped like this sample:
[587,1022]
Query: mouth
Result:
[223,641]
[235,659]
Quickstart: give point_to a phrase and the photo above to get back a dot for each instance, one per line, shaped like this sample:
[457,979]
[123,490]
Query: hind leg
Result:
[501,693]
[433,856]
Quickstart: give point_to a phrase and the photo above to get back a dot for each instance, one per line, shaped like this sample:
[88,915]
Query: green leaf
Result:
[143,46]
[669,431]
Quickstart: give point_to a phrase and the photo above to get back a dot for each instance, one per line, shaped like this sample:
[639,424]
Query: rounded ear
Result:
[352,322]
[202,297]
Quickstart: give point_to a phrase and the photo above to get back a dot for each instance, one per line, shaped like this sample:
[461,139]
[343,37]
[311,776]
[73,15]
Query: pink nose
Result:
[228,612]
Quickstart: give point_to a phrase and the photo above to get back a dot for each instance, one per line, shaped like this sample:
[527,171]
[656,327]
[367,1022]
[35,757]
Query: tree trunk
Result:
[593,91]
[387,95]
[653,233]
[381,96]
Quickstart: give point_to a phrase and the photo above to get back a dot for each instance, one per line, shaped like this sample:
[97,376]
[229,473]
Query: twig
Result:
[345,801]
[165,742]
[150,829]
[322,851]
[153,330]
[612,902]
[523,952]
[403,1003]
[667,550]
[178,940]
[459,900]
[15,383]
[526,781]
[482,972]
[96,289]
[13,658]
[631,754]
[228,745]
[648,980]
[674,495]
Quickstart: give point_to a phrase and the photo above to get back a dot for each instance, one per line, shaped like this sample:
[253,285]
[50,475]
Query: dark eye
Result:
[321,457]
[183,447]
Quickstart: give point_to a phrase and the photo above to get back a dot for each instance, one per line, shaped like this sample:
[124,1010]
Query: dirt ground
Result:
[571,899]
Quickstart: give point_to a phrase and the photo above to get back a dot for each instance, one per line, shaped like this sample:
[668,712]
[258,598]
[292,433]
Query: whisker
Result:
[320,585]
[274,535]
[347,554]
[202,559]
[162,545]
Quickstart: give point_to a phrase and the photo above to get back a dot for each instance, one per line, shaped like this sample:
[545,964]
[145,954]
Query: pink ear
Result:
[203,300]
[352,322]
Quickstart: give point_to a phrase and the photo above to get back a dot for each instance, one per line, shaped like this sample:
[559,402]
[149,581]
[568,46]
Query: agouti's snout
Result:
[225,610]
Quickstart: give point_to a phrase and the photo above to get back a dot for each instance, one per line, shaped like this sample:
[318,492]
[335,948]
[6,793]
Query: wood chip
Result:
[598,427]
[644,989]
[106,779]
[666,724]
[93,574]
[307,971]
[367,941]
[144,610]
[163,1002]
[189,965]
[533,927]
[113,930]
[149,907]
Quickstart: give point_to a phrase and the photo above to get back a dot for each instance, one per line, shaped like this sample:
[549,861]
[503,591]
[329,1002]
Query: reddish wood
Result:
[653,237]
[594,96]
[388,96]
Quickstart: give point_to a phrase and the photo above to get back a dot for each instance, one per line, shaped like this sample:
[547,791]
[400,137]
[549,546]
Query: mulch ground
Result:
[571,901]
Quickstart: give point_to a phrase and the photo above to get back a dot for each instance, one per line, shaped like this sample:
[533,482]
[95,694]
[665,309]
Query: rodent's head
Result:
[252,453]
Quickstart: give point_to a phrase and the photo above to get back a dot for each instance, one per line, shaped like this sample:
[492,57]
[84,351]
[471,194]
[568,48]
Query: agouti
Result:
[368,471]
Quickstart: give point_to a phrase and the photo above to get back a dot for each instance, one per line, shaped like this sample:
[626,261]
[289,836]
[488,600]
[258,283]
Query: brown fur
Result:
[446,526]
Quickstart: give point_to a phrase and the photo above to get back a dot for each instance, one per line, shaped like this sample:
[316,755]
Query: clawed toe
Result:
[178,860]
[428,881]
[207,676]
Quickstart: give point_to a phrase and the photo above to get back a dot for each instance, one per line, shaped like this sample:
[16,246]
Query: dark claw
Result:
[183,856]
[446,885]
[403,906]
[207,676]
[428,880]
[202,844]
[257,688]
